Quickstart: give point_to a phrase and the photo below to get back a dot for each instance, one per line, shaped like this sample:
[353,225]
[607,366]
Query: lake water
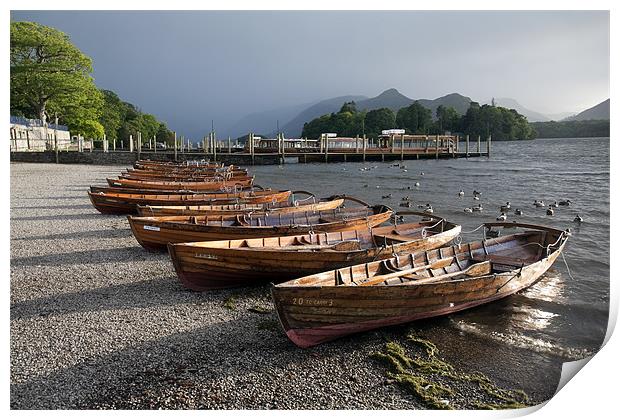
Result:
[561,316]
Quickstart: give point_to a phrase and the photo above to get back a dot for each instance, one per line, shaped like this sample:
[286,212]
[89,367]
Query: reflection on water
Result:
[550,288]
[520,340]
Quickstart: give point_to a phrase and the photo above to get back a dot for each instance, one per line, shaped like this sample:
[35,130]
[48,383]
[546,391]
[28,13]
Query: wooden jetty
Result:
[260,151]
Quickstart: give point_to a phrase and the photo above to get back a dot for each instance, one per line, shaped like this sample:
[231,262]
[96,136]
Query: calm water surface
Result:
[562,316]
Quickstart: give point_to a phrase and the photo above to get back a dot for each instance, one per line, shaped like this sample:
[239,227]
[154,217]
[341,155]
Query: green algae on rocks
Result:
[429,377]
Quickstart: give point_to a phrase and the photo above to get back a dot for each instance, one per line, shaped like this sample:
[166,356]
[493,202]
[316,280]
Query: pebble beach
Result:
[98,322]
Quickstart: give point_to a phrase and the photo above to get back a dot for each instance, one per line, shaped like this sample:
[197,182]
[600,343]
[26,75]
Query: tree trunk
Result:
[41,111]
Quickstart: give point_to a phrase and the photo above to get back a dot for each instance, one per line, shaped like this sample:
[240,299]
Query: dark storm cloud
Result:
[191,67]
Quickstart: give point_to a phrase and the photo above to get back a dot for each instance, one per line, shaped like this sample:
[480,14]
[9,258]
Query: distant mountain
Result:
[265,121]
[459,102]
[395,100]
[390,98]
[597,112]
[560,116]
[532,116]
[295,125]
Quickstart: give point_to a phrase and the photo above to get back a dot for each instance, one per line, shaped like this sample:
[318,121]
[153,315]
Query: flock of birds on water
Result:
[504,209]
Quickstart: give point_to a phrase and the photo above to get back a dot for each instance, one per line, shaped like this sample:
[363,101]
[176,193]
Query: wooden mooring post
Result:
[478,145]
[326,147]
[437,147]
[131,143]
[56,140]
[364,148]
[251,140]
[139,144]
[105,143]
[402,147]
[214,146]
[467,145]
[229,146]
[489,146]
[175,146]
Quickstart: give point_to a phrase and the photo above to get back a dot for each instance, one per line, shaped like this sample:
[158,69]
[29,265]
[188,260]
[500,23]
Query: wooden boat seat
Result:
[504,260]
[380,239]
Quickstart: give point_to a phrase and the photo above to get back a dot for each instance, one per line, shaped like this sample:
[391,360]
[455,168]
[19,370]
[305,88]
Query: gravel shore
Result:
[98,322]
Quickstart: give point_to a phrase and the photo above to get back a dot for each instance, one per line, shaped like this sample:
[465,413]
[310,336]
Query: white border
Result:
[590,395]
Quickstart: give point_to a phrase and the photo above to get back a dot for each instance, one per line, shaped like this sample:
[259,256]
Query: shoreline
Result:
[98,322]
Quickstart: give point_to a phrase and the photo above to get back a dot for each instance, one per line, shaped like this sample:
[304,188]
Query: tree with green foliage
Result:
[498,122]
[447,119]
[50,76]
[164,135]
[113,113]
[377,120]
[568,129]
[346,122]
[415,119]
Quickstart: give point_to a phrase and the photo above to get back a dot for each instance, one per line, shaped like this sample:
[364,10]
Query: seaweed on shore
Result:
[427,378]
[231,302]
[259,309]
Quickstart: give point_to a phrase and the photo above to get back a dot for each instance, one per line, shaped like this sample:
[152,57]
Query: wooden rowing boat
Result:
[220,264]
[151,164]
[234,209]
[235,184]
[179,176]
[332,304]
[157,232]
[123,203]
[105,189]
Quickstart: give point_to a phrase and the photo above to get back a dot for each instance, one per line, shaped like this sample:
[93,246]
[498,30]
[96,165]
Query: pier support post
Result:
[478,145]
[155,143]
[105,143]
[229,146]
[392,141]
[437,147]
[114,145]
[402,147]
[131,143]
[357,148]
[139,144]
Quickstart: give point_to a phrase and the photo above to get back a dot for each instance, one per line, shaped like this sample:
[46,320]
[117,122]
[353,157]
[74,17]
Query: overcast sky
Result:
[188,68]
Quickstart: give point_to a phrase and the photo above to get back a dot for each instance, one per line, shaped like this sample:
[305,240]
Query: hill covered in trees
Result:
[51,77]
[568,129]
[500,123]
